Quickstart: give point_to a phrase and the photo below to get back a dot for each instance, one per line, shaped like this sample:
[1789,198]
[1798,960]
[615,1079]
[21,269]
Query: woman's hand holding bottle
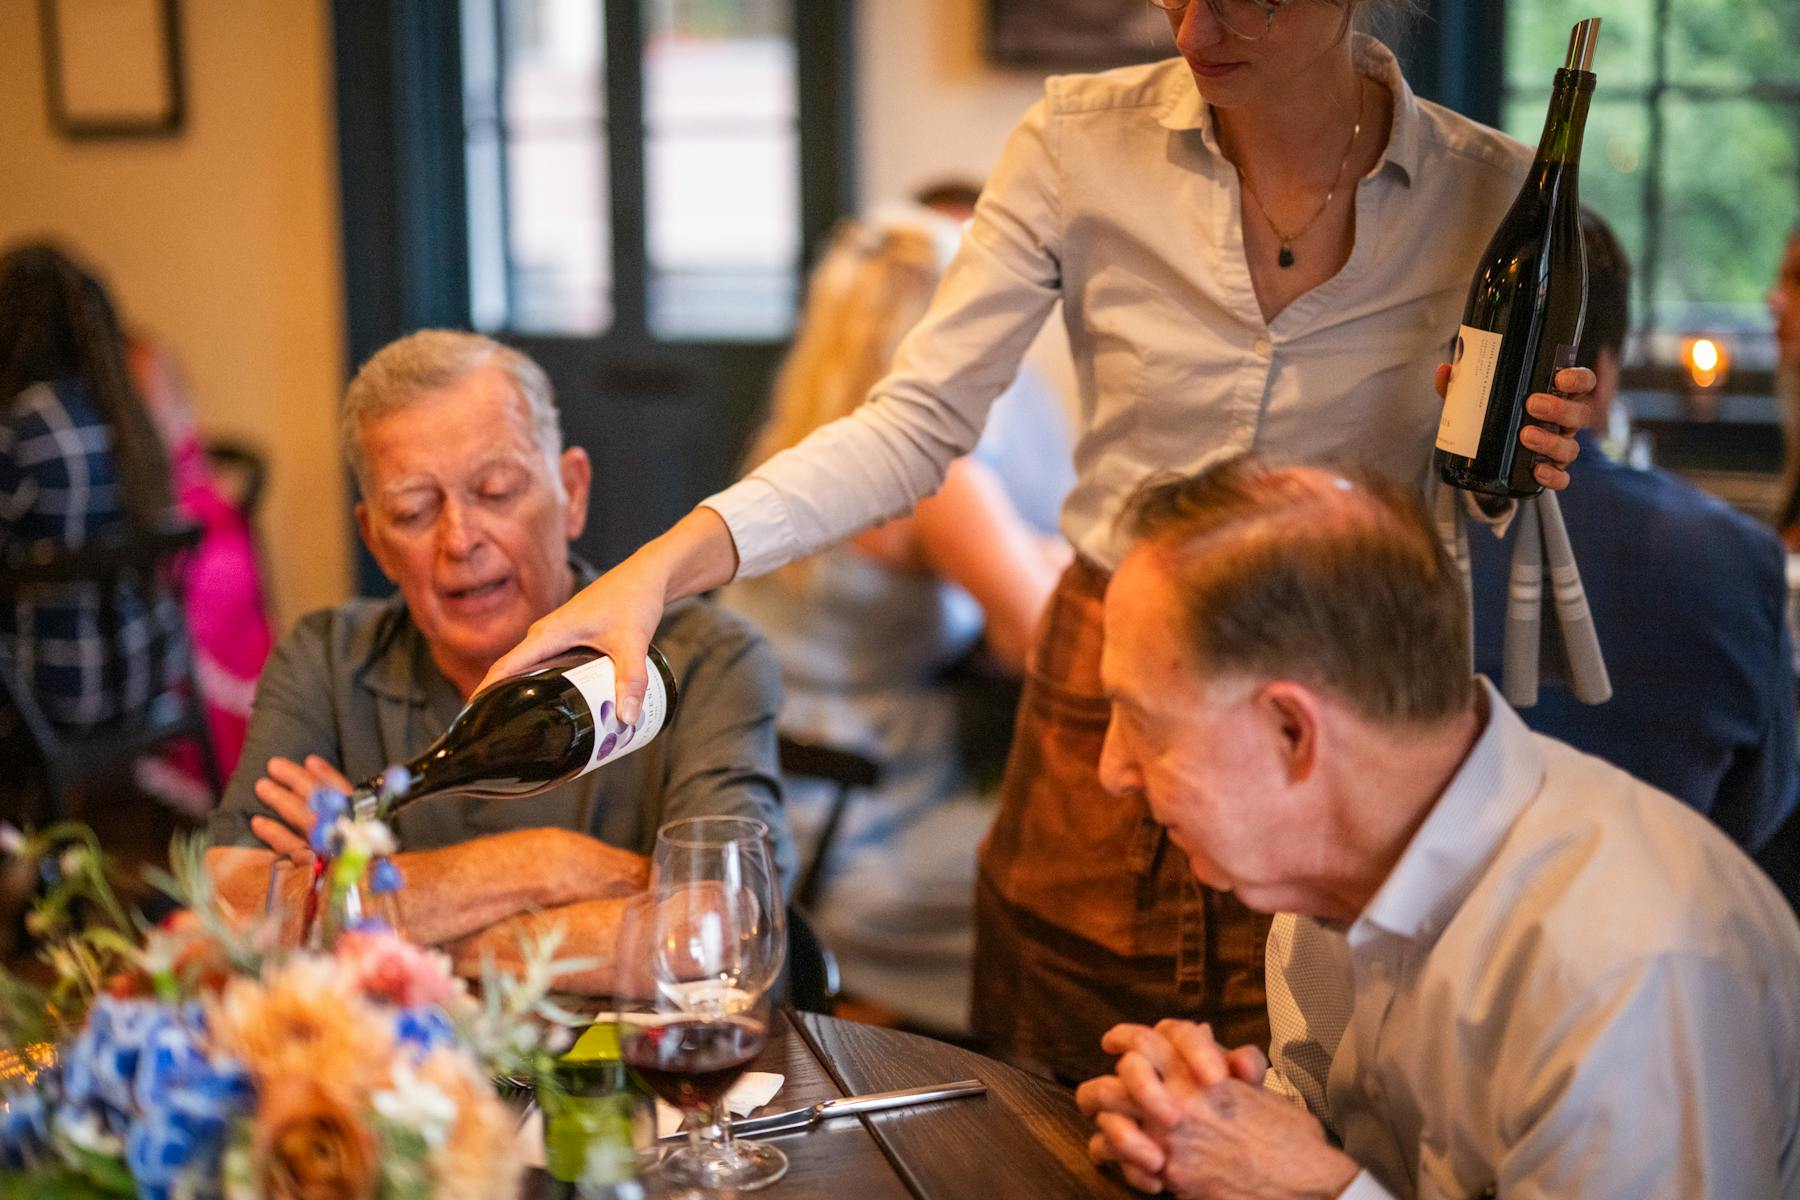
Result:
[618,613]
[1573,410]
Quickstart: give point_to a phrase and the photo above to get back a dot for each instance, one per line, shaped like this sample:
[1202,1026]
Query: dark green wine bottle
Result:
[1522,322]
[528,734]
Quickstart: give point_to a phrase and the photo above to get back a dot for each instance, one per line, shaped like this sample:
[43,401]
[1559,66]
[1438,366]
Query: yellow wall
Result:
[223,241]
[930,104]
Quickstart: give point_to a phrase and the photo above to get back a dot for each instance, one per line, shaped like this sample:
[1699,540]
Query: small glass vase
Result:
[350,893]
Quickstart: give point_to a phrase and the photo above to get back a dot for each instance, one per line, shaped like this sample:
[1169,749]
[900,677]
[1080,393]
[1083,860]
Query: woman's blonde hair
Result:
[871,286]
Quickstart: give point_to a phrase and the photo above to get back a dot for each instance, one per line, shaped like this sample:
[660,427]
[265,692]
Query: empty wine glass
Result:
[735,852]
[291,892]
[304,909]
[693,1012]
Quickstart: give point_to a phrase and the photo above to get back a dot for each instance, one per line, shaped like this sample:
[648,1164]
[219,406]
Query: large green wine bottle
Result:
[1523,319]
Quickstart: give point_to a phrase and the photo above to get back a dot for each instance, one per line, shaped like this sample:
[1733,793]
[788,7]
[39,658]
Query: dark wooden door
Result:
[664,414]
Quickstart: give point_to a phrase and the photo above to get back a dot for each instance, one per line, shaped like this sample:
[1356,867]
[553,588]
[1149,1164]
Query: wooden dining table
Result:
[1023,1138]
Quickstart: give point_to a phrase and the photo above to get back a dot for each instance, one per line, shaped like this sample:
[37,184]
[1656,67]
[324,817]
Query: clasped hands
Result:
[1183,1115]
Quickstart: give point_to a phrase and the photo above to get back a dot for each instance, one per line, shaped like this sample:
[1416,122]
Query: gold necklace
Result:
[1285,257]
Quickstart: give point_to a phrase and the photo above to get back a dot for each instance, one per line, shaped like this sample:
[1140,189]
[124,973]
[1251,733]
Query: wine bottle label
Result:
[1472,366]
[612,737]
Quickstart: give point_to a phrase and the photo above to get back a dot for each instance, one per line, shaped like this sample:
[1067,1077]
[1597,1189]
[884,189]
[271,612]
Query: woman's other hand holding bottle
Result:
[1573,410]
[618,613]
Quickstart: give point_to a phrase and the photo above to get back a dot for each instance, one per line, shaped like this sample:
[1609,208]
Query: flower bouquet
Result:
[199,1059]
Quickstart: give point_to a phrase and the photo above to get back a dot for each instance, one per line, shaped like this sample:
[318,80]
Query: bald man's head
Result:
[1334,579]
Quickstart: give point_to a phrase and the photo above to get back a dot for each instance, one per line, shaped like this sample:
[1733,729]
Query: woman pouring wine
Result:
[1265,242]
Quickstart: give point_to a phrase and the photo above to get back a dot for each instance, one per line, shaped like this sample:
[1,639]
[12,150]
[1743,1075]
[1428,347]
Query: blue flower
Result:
[425,1027]
[185,1102]
[328,804]
[186,1132]
[395,781]
[142,1069]
[169,1050]
[24,1130]
[323,837]
[385,879]
[102,1063]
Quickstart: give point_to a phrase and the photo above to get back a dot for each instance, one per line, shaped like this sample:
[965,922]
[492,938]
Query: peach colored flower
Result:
[309,1145]
[477,1161]
[304,1020]
[393,971]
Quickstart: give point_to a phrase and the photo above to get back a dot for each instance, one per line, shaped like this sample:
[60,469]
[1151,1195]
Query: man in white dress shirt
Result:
[1504,967]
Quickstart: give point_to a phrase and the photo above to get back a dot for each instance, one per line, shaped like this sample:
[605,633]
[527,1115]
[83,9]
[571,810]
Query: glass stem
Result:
[720,1148]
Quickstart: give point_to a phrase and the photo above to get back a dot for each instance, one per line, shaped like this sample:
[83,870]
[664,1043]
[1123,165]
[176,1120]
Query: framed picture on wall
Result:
[1081,35]
[112,68]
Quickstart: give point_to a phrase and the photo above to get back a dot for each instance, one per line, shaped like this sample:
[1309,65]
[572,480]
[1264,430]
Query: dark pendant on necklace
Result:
[1286,257]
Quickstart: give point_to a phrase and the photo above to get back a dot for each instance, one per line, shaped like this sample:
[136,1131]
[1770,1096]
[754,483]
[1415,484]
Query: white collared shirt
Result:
[1113,197]
[1570,985]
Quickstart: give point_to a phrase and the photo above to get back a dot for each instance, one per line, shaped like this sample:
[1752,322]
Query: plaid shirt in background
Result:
[58,486]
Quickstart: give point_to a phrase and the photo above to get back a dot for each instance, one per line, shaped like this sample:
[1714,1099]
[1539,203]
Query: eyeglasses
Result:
[1247,20]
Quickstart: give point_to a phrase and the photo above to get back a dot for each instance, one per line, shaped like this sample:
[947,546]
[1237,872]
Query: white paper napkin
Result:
[748,1094]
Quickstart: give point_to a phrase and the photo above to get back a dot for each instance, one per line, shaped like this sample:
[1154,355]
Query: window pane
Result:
[561,255]
[721,168]
[1703,212]
[539,209]
[1537,41]
[554,53]
[1730,43]
[1728,197]
[488,308]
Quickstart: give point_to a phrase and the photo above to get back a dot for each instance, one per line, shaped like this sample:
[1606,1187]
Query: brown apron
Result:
[1086,914]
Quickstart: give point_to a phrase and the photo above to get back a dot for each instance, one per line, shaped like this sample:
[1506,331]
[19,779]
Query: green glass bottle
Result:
[1522,322]
[595,1117]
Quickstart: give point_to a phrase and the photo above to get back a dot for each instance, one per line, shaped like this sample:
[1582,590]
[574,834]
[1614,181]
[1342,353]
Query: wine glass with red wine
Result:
[693,1014]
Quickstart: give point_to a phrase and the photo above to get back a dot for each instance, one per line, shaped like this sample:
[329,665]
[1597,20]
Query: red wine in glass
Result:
[693,1062]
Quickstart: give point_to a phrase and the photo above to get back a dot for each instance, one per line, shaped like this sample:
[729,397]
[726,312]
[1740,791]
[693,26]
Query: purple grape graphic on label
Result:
[607,743]
[605,712]
[630,732]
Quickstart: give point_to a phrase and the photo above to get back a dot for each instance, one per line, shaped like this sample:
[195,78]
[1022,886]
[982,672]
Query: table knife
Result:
[795,1120]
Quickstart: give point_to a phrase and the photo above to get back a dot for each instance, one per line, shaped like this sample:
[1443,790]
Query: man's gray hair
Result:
[403,371]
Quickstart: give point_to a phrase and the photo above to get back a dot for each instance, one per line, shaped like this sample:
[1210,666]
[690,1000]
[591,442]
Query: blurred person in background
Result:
[866,631]
[1784,307]
[1690,600]
[227,615]
[80,458]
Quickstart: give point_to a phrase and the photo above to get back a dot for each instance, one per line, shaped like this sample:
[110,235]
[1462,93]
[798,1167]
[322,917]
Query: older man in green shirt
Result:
[469,502]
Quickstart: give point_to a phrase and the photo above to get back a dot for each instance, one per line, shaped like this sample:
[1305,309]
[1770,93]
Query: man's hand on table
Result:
[1183,1115]
[495,885]
[475,898]
[243,873]
[285,789]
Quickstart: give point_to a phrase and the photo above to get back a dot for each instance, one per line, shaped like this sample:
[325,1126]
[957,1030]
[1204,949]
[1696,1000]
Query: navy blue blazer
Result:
[1690,600]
